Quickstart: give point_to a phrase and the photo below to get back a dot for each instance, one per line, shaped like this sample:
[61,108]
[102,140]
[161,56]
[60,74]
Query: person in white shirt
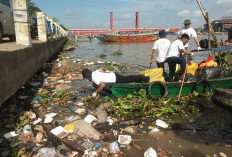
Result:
[100,78]
[160,47]
[190,31]
[173,56]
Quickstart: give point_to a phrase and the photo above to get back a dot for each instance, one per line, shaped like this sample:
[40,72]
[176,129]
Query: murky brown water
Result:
[133,53]
[174,143]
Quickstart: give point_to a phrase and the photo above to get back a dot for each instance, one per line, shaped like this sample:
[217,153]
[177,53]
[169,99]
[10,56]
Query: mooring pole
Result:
[206,19]
[209,36]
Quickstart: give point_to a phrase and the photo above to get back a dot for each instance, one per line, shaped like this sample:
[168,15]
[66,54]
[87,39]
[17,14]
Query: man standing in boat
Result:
[160,47]
[191,33]
[173,56]
[101,78]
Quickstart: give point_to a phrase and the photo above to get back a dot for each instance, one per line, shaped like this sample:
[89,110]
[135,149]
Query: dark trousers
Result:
[130,79]
[172,61]
[161,65]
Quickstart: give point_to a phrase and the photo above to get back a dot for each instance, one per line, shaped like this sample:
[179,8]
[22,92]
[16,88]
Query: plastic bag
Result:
[154,74]
[190,77]
[114,148]
[150,153]
[49,152]
[207,73]
[192,68]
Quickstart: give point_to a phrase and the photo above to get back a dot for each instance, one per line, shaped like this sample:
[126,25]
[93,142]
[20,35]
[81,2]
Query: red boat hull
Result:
[131,38]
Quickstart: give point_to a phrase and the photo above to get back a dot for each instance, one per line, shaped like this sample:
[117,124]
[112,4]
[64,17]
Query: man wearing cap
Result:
[161,46]
[190,31]
[101,78]
[173,56]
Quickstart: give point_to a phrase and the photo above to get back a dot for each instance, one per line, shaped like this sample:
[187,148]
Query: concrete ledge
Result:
[19,65]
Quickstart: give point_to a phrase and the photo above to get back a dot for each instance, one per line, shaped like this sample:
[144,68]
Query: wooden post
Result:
[21,20]
[205,16]
[42,29]
[209,37]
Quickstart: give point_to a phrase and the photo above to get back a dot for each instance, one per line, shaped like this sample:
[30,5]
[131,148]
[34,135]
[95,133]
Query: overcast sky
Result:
[153,13]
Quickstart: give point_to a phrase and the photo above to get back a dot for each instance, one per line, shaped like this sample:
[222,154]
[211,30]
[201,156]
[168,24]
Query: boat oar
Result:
[182,84]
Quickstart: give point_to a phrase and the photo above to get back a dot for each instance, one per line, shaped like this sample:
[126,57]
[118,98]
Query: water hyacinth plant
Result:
[102,56]
[117,53]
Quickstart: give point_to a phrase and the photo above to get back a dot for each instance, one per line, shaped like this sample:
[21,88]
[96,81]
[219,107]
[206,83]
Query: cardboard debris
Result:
[60,132]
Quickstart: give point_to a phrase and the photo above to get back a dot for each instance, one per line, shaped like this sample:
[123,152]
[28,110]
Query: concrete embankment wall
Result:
[17,67]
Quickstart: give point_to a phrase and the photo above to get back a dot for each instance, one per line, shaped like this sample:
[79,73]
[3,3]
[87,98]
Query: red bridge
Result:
[132,30]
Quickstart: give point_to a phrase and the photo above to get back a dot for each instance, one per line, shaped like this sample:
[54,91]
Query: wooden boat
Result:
[101,38]
[159,89]
[131,37]
[223,96]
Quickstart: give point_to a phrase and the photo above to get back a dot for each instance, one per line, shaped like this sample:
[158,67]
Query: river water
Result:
[134,53]
[180,143]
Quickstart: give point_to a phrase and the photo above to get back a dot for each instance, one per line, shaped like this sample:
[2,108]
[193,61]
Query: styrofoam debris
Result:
[161,123]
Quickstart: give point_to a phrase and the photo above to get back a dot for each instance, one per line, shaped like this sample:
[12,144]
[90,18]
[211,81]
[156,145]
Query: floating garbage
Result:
[37,121]
[49,152]
[44,74]
[130,129]
[154,130]
[49,117]
[80,104]
[39,137]
[114,148]
[10,134]
[73,108]
[222,154]
[97,145]
[150,153]
[110,120]
[70,128]
[90,118]
[27,129]
[74,154]
[35,84]
[27,136]
[80,111]
[87,145]
[124,139]
[161,124]
[34,102]
[72,118]
[60,132]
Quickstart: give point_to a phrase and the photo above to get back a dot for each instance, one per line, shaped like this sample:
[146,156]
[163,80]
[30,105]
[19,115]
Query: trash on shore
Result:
[150,152]
[161,123]
[124,139]
[10,134]
[90,118]
[60,132]
[114,148]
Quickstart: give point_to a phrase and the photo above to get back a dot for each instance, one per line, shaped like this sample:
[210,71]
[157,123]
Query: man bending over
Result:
[100,78]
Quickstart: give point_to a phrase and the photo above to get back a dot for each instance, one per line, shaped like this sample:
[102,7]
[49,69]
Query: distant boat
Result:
[101,38]
[131,37]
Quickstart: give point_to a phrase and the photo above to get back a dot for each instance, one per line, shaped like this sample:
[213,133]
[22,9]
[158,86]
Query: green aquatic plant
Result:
[102,56]
[140,106]
[117,53]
